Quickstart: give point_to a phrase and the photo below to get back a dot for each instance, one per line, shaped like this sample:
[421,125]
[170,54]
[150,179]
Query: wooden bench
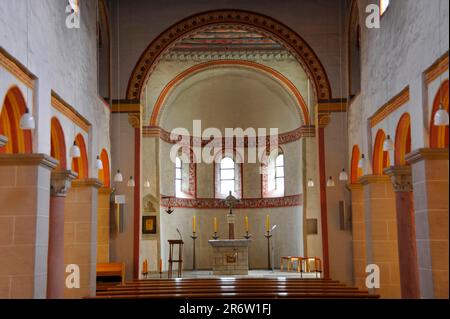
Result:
[111,269]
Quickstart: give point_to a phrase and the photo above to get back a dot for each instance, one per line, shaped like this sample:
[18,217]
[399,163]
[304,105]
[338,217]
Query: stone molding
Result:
[373,179]
[105,190]
[3,140]
[60,182]
[43,160]
[352,187]
[392,105]
[324,119]
[69,111]
[87,182]
[215,203]
[401,178]
[427,154]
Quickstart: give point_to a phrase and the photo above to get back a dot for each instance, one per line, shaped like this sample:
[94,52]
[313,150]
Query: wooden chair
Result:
[179,261]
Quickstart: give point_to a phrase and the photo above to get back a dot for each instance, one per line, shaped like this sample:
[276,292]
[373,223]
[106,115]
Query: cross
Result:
[231,202]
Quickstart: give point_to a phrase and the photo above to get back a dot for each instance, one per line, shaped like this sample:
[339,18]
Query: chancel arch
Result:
[104,174]
[355,171]
[14,106]
[245,19]
[58,144]
[80,164]
[439,134]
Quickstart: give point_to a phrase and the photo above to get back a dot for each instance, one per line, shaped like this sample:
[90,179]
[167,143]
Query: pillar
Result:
[24,218]
[430,182]
[80,234]
[103,225]
[60,183]
[381,232]
[359,235]
[406,230]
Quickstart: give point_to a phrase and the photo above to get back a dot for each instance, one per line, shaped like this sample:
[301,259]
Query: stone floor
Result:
[251,274]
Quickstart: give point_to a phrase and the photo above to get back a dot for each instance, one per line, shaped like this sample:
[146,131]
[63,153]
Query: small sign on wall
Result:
[311,226]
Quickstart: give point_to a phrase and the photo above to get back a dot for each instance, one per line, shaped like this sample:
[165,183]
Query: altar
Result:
[230,256]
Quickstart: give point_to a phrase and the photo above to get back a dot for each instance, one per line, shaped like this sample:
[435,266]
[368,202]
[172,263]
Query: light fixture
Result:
[118,177]
[330,182]
[147,184]
[343,176]
[75,150]
[310,182]
[441,116]
[27,121]
[362,162]
[388,145]
[131,182]
[98,163]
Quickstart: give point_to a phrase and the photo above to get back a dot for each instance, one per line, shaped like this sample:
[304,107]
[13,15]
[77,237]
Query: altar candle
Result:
[145,266]
[160,265]
[267,223]
[194,224]
[215,224]
[246,223]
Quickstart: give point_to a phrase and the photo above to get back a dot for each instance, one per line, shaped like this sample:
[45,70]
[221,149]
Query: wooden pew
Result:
[111,269]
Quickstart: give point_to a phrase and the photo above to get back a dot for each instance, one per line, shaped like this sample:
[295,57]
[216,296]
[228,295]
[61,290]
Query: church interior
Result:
[115,118]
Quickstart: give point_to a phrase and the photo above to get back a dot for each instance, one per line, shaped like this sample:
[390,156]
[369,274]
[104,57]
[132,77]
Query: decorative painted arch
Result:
[355,171]
[14,106]
[270,27]
[58,144]
[285,82]
[439,134]
[403,139]
[104,175]
[380,157]
[80,164]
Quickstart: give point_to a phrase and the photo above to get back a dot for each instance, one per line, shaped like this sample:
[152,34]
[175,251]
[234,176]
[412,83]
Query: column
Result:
[406,230]
[359,235]
[80,234]
[24,218]
[60,183]
[103,226]
[381,232]
[430,182]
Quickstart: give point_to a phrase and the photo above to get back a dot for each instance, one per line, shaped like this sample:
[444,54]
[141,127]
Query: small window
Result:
[273,182]
[227,176]
[178,177]
[384,4]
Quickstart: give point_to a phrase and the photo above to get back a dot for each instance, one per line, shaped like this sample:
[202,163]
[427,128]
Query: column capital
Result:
[3,140]
[134,119]
[401,178]
[105,190]
[87,182]
[373,179]
[427,154]
[28,160]
[353,187]
[60,182]
[324,119]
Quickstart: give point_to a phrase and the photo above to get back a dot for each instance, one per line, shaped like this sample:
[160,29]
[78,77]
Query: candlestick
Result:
[215,236]
[247,235]
[246,223]
[160,267]
[194,237]
[215,224]
[268,235]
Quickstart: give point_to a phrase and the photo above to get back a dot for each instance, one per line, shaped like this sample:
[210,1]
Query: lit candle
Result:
[267,223]
[194,224]
[246,223]
[215,224]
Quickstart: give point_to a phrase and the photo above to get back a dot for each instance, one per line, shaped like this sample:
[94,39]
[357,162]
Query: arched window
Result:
[178,177]
[273,175]
[185,174]
[354,51]
[227,176]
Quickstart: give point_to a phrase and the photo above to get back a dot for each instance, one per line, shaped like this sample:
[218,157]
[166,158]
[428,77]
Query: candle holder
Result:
[247,235]
[194,237]
[145,274]
[268,235]
[215,236]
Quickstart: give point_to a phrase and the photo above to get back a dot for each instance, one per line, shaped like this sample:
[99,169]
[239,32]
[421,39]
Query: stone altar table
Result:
[230,256]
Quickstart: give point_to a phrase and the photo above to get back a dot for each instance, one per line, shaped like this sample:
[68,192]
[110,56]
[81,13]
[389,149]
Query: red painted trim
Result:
[323,203]
[137,200]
